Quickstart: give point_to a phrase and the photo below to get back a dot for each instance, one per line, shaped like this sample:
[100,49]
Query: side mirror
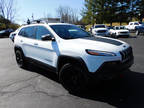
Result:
[47,37]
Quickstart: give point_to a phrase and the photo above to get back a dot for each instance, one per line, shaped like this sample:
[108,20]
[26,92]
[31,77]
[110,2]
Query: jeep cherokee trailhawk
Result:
[74,54]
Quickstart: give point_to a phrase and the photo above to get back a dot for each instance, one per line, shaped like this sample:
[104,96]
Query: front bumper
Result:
[102,34]
[110,70]
[123,35]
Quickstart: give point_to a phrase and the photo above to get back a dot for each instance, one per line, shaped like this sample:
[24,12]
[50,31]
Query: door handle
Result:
[35,43]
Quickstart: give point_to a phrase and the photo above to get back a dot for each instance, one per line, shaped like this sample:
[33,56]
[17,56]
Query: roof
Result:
[59,24]
[45,24]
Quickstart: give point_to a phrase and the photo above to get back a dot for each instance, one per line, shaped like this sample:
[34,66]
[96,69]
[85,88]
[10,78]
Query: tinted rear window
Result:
[28,32]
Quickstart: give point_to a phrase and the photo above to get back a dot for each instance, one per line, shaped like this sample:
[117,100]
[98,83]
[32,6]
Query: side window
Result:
[131,23]
[41,31]
[30,32]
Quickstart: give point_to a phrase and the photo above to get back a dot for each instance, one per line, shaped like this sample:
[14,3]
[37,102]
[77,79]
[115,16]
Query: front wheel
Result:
[137,32]
[20,58]
[73,78]
[113,35]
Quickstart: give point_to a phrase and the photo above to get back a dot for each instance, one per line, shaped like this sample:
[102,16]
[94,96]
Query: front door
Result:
[44,49]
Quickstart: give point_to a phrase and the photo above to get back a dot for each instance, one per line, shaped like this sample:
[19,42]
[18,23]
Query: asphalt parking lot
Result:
[37,88]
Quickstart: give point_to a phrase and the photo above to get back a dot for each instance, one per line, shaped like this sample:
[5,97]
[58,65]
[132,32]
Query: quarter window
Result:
[22,32]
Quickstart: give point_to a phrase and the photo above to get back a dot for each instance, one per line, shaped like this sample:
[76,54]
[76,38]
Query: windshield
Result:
[117,28]
[100,26]
[136,23]
[69,31]
[122,27]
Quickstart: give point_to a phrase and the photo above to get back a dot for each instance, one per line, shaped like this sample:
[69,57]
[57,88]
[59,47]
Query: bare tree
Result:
[67,14]
[7,9]
[47,15]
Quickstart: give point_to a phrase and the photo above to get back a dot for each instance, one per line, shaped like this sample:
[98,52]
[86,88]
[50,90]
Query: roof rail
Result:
[36,22]
[39,22]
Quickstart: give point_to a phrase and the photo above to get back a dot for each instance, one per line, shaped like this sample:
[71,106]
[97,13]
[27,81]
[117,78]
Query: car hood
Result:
[122,30]
[141,27]
[97,43]
[97,29]
[3,31]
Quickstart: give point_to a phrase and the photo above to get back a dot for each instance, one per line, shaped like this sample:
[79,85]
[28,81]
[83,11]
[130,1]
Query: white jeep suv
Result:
[119,31]
[75,55]
[100,30]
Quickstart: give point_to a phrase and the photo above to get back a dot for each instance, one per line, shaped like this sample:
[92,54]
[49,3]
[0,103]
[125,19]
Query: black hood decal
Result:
[110,41]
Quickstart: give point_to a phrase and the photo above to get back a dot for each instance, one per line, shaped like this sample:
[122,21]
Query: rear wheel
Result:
[73,78]
[20,58]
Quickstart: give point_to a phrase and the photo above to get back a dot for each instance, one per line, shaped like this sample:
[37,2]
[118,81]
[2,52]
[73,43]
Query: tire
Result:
[20,59]
[73,78]
[114,35]
[137,33]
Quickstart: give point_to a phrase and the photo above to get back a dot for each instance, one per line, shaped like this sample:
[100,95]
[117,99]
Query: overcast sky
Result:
[40,8]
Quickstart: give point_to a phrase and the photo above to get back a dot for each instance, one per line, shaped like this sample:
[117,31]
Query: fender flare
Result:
[62,59]
[16,47]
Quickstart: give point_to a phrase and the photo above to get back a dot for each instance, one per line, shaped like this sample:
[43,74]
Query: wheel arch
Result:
[18,48]
[68,59]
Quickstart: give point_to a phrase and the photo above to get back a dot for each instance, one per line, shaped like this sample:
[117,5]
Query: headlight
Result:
[100,53]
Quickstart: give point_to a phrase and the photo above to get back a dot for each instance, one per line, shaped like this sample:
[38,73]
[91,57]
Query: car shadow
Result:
[133,36]
[35,69]
[127,92]
[128,37]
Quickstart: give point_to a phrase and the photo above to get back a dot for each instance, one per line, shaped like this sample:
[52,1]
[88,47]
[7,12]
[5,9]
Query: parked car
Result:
[5,33]
[119,31]
[2,32]
[139,30]
[13,34]
[100,30]
[109,27]
[132,25]
[77,57]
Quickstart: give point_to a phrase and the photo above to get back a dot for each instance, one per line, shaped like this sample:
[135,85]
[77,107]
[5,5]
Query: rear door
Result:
[27,40]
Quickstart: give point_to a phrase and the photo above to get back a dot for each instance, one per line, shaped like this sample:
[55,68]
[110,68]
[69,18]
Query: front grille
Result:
[101,31]
[126,54]
[123,32]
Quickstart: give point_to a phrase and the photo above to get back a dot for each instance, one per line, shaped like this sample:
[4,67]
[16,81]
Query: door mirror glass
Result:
[47,37]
